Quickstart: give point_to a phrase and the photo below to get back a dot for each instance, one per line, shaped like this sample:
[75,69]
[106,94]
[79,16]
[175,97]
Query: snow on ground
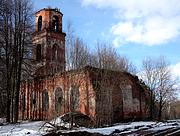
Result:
[35,128]
[165,125]
[130,127]
[22,129]
[160,128]
[120,127]
[59,122]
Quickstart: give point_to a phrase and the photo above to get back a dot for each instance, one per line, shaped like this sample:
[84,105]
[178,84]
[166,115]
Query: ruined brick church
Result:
[105,96]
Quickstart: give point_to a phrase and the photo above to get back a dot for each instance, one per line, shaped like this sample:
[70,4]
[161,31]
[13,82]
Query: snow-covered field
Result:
[119,127]
[37,128]
[22,129]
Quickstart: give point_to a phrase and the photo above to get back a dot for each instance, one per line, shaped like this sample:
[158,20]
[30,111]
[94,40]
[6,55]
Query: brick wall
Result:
[107,97]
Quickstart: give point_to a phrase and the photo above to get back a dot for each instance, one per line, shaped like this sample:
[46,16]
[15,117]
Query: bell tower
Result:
[49,42]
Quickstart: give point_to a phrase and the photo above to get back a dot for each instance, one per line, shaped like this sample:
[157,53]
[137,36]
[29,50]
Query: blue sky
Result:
[136,28]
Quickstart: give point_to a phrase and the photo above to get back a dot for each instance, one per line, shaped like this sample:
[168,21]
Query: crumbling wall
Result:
[105,100]
[41,96]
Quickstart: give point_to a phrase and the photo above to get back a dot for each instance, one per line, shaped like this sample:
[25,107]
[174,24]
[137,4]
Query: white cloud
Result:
[176,69]
[176,73]
[151,22]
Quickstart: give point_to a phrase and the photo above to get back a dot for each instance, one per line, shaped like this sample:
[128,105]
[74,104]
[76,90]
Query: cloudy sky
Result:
[136,28]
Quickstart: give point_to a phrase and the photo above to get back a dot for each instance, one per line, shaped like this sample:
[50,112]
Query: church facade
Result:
[105,96]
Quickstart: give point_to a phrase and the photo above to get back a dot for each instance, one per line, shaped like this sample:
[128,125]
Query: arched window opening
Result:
[39,23]
[38,52]
[33,101]
[55,23]
[45,100]
[74,98]
[54,52]
[58,99]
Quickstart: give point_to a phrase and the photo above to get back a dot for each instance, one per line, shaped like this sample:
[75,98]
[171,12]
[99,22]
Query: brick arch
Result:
[58,99]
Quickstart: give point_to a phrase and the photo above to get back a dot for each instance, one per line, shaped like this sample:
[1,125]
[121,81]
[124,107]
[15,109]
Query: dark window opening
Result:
[38,52]
[74,98]
[55,23]
[45,100]
[39,23]
[54,52]
[33,100]
[58,99]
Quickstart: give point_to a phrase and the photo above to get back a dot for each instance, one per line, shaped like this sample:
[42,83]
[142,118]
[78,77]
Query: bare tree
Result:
[150,77]
[15,33]
[69,45]
[80,53]
[77,53]
[106,57]
[165,91]
[157,75]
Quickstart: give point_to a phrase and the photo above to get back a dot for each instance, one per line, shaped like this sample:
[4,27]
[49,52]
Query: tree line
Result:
[104,56]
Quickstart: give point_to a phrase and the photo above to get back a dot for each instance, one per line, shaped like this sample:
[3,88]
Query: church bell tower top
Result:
[49,19]
[50,9]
